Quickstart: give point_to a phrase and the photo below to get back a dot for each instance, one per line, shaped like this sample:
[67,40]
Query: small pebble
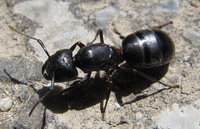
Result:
[5,104]
[103,16]
[170,5]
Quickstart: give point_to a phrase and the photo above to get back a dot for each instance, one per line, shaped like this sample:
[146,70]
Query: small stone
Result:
[177,117]
[170,5]
[103,16]
[5,104]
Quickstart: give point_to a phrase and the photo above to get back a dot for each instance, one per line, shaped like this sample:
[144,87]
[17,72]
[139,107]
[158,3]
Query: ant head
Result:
[61,66]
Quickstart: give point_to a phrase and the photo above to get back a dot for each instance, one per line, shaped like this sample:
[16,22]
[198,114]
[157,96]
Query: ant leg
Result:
[86,78]
[45,95]
[41,99]
[76,84]
[100,34]
[38,40]
[140,97]
[107,94]
[52,81]
[77,43]
[152,79]
[44,119]
[163,25]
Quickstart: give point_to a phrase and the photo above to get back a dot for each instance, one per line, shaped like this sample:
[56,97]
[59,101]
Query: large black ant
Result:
[142,49]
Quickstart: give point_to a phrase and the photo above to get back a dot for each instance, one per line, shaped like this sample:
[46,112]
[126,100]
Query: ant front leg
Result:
[44,119]
[76,84]
[14,80]
[103,109]
[86,78]
[45,95]
[41,99]
[100,34]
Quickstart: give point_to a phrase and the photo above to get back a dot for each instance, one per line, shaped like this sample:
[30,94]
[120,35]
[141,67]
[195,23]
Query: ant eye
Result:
[65,60]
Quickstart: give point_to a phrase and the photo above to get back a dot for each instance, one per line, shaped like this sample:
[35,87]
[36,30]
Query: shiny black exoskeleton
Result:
[142,49]
[97,57]
[60,66]
[148,48]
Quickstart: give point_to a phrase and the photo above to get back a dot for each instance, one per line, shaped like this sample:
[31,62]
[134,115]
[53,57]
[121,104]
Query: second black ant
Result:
[147,48]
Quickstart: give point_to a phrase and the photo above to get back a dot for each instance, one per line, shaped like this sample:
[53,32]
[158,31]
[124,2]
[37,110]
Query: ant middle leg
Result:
[76,84]
[100,34]
[103,108]
[14,80]
[45,95]
[77,44]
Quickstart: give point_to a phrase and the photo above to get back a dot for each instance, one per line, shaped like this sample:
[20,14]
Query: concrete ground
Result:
[61,23]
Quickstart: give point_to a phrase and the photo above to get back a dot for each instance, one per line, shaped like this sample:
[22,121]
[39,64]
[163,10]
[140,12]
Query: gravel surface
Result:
[61,23]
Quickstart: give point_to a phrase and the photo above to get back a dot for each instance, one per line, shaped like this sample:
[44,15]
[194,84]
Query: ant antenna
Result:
[38,40]
[163,25]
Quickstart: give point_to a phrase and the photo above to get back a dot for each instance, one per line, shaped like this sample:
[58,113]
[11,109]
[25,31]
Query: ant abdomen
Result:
[148,48]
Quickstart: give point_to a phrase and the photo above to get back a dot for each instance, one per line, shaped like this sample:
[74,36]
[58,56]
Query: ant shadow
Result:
[127,83]
[94,91]
[77,98]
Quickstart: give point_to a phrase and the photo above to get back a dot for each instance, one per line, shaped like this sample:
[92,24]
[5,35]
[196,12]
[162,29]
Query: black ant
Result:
[61,66]
[143,49]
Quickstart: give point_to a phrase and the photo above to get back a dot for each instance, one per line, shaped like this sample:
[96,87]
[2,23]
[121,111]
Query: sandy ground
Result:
[61,23]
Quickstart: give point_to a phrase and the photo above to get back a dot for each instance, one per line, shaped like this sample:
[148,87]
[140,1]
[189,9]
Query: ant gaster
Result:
[148,48]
